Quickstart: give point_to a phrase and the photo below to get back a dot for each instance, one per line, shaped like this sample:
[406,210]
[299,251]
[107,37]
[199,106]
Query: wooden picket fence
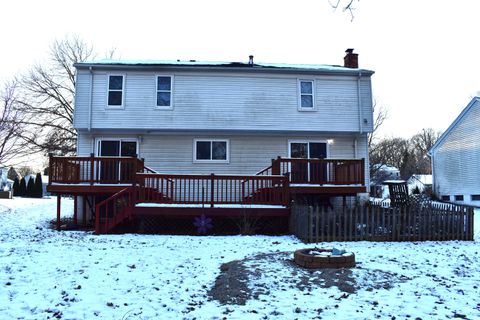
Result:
[436,222]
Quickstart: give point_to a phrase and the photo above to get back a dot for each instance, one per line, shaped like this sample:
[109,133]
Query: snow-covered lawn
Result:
[77,275]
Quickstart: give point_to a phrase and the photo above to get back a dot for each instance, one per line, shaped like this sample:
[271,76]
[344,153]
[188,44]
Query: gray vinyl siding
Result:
[456,161]
[248,154]
[220,101]
[84,144]
[82,97]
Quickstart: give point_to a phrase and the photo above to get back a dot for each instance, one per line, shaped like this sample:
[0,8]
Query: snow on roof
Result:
[224,64]
[425,179]
[393,181]
[385,167]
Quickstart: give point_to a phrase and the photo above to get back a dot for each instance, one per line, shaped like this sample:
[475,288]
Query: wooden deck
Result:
[131,189]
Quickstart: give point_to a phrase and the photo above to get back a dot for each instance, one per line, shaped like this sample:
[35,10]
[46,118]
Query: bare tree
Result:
[380,115]
[425,139]
[422,142]
[47,97]
[346,5]
[374,149]
[11,120]
[408,155]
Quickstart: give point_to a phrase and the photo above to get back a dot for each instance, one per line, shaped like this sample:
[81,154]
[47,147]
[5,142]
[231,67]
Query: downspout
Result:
[434,189]
[360,114]
[360,125]
[355,148]
[90,98]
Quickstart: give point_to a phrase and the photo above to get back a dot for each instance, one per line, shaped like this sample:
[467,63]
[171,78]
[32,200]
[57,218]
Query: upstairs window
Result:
[115,90]
[306,92]
[164,91]
[211,151]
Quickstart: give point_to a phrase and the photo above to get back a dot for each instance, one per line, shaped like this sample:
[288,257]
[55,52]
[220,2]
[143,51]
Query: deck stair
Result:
[114,210]
[119,208]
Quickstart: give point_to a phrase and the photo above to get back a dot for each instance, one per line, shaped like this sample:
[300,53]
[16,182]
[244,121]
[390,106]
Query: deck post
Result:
[362,172]
[92,169]
[84,211]
[135,170]
[276,166]
[286,191]
[212,189]
[50,171]
[59,206]
[75,197]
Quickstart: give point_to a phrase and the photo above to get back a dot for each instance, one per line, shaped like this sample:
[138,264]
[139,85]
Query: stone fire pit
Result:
[314,258]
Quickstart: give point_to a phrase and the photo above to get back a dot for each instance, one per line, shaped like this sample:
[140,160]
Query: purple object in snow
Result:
[203,224]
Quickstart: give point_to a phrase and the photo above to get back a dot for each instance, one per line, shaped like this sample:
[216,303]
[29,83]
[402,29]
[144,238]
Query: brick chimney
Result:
[351,59]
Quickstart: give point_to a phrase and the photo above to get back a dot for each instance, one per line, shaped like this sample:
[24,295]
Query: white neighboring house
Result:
[422,181]
[456,158]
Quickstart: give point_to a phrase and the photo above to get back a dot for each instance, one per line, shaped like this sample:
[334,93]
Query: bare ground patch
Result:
[249,278]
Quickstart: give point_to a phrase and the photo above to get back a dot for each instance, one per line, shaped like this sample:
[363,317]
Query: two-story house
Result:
[213,134]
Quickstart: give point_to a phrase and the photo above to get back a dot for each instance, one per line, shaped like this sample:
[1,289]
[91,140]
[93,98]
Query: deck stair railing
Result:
[115,210]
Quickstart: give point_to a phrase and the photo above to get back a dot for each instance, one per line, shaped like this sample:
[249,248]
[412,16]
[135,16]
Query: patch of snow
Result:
[79,275]
[317,67]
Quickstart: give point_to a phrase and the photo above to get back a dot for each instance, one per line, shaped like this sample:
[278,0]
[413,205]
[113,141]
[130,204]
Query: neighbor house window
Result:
[446,198]
[458,197]
[164,91]
[307,98]
[115,90]
[211,150]
[475,197]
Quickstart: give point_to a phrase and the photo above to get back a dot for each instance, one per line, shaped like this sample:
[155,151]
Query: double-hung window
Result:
[164,92]
[306,95]
[115,91]
[210,150]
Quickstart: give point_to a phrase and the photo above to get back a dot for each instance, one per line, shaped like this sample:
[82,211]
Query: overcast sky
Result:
[424,53]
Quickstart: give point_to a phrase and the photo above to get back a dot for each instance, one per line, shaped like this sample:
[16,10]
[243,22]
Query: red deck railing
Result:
[213,189]
[270,186]
[91,170]
[319,171]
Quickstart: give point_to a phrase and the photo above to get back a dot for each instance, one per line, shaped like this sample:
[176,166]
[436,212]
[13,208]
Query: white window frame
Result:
[122,105]
[289,142]
[299,90]
[195,160]
[307,141]
[170,107]
[97,144]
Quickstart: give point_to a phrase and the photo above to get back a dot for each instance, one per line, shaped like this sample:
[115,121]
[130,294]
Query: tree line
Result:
[34,187]
[410,155]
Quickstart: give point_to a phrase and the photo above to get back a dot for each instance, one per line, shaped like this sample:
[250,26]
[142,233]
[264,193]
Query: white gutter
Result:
[90,100]
[360,114]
